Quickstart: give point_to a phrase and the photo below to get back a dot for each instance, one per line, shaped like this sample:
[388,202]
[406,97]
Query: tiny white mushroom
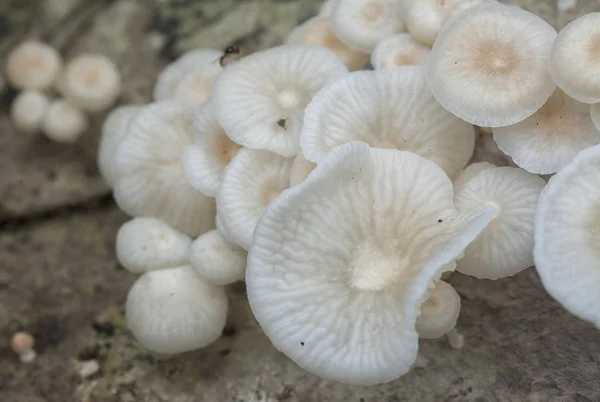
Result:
[399,50]
[33,65]
[63,122]
[145,244]
[301,168]
[216,260]
[260,100]
[439,312]
[22,344]
[28,110]
[174,310]
[424,18]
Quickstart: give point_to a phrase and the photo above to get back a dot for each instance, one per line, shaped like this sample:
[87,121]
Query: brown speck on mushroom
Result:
[281,123]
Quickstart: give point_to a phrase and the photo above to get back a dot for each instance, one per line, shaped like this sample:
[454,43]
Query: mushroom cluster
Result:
[342,194]
[54,98]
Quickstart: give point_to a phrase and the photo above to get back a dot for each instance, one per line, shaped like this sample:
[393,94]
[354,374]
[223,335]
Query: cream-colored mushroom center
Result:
[289,99]
[495,58]
[372,11]
[404,59]
[34,63]
[371,268]
[91,76]
[496,207]
[225,149]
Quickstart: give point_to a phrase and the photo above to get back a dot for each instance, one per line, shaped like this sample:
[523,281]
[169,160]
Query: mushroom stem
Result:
[420,362]
[456,339]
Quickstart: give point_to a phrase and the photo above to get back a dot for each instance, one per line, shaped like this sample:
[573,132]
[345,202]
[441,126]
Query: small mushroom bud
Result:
[28,110]
[22,344]
[439,312]
[64,122]
[33,65]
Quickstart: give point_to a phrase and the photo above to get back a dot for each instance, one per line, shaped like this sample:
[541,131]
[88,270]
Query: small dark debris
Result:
[225,352]
[229,331]
[302,343]
[281,123]
[440,221]
[103,328]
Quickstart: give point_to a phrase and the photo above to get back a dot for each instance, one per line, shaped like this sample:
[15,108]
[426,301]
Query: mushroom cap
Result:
[301,168]
[595,114]
[439,312]
[492,49]
[151,181]
[64,122]
[190,78]
[28,110]
[461,5]
[217,261]
[145,244]
[333,277]
[91,82]
[471,171]
[575,59]
[33,65]
[505,247]
[566,236]
[399,50]
[205,160]
[173,310]
[318,31]
[389,108]
[360,24]
[114,130]
[550,138]
[424,18]
[260,99]
[252,179]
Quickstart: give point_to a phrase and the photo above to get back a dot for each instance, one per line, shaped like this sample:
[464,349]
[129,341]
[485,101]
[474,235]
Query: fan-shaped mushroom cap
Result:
[341,262]
[114,130]
[550,138]
[318,31]
[251,181]
[492,49]
[63,122]
[260,100]
[360,24]
[389,108]
[205,160]
[145,244]
[301,168]
[439,312]
[505,247]
[399,50]
[595,114]
[28,110]
[151,181]
[424,18]
[216,260]
[575,59]
[173,310]
[567,225]
[33,65]
[461,5]
[471,171]
[190,78]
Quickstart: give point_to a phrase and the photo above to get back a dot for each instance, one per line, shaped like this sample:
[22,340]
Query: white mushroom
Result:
[63,122]
[301,168]
[114,130]
[460,6]
[204,161]
[33,65]
[260,100]
[550,138]
[151,181]
[251,181]
[471,171]
[145,244]
[439,312]
[342,262]
[424,18]
[399,50]
[217,261]
[505,247]
[173,310]
[492,49]
[389,108]
[190,78]
[28,110]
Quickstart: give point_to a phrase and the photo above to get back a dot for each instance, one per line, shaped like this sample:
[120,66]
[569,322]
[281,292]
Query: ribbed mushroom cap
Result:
[33,65]
[399,50]
[301,168]
[151,181]
[389,108]
[424,18]
[567,253]
[260,100]
[505,247]
[471,171]
[28,110]
[64,122]
[492,49]
[217,261]
[342,262]
[173,310]
[550,138]
[575,59]
[439,312]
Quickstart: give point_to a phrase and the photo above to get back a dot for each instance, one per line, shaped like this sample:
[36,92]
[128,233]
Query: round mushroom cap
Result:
[28,110]
[217,261]
[389,108]
[91,82]
[439,312]
[549,139]
[424,18]
[360,24]
[492,49]
[471,171]
[173,310]
[205,160]
[251,181]
[575,59]
[33,65]
[567,253]
[190,78]
[342,262]
[151,180]
[301,168]
[145,244]
[63,122]
[318,31]
[505,247]
[260,99]
[114,130]
[399,50]
[595,114]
